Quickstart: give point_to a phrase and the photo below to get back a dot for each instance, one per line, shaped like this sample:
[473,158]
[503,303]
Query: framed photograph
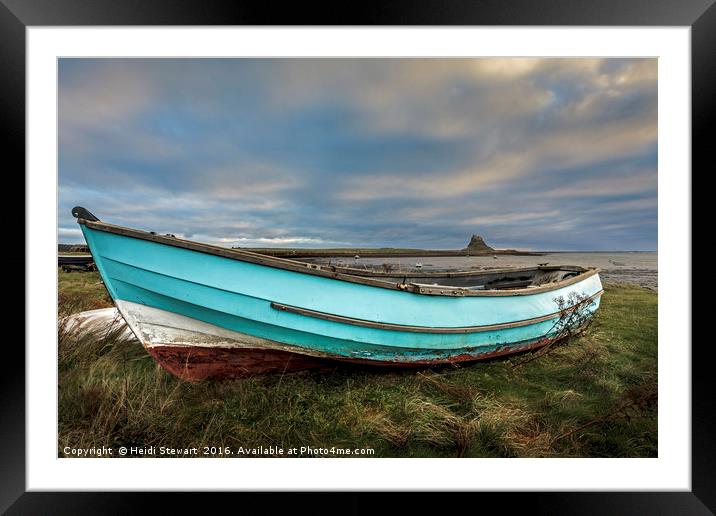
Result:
[421,251]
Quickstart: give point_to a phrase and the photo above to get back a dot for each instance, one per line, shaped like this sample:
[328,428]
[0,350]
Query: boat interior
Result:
[500,279]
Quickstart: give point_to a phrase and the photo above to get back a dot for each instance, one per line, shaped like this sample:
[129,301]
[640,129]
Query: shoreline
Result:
[380,253]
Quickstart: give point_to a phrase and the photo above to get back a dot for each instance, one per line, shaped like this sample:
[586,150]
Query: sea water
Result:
[616,267]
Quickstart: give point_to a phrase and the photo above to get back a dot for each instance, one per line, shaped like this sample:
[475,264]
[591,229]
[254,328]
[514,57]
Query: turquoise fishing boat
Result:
[205,311]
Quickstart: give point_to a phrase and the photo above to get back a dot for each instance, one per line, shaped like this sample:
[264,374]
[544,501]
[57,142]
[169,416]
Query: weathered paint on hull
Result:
[195,363]
[195,350]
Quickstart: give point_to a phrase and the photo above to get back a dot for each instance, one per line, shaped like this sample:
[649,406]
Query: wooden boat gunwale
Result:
[364,277]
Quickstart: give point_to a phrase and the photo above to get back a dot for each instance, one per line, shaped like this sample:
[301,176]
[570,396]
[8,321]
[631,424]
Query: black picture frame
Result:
[17,15]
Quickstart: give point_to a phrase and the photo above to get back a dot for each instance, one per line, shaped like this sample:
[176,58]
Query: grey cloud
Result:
[364,152]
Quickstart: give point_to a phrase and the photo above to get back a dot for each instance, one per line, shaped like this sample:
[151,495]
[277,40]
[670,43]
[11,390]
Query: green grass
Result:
[593,397]
[80,291]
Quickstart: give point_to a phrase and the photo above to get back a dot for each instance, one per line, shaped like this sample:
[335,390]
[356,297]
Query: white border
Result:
[670,471]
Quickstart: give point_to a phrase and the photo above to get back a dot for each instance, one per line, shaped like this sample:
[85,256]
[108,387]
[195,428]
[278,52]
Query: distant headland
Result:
[475,247]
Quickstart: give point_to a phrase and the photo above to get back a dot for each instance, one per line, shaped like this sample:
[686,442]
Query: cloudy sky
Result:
[551,154]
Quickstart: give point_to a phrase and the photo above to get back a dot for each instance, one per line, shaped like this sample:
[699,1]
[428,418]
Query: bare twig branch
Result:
[574,319]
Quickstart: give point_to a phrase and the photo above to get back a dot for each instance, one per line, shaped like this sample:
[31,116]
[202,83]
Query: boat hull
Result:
[194,350]
[207,316]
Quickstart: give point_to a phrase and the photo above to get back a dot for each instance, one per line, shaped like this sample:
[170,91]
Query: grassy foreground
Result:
[593,397]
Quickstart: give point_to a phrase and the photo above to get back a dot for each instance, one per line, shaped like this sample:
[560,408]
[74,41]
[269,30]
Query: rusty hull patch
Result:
[196,363]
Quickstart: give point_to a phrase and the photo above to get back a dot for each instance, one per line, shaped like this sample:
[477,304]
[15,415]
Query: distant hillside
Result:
[475,246]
